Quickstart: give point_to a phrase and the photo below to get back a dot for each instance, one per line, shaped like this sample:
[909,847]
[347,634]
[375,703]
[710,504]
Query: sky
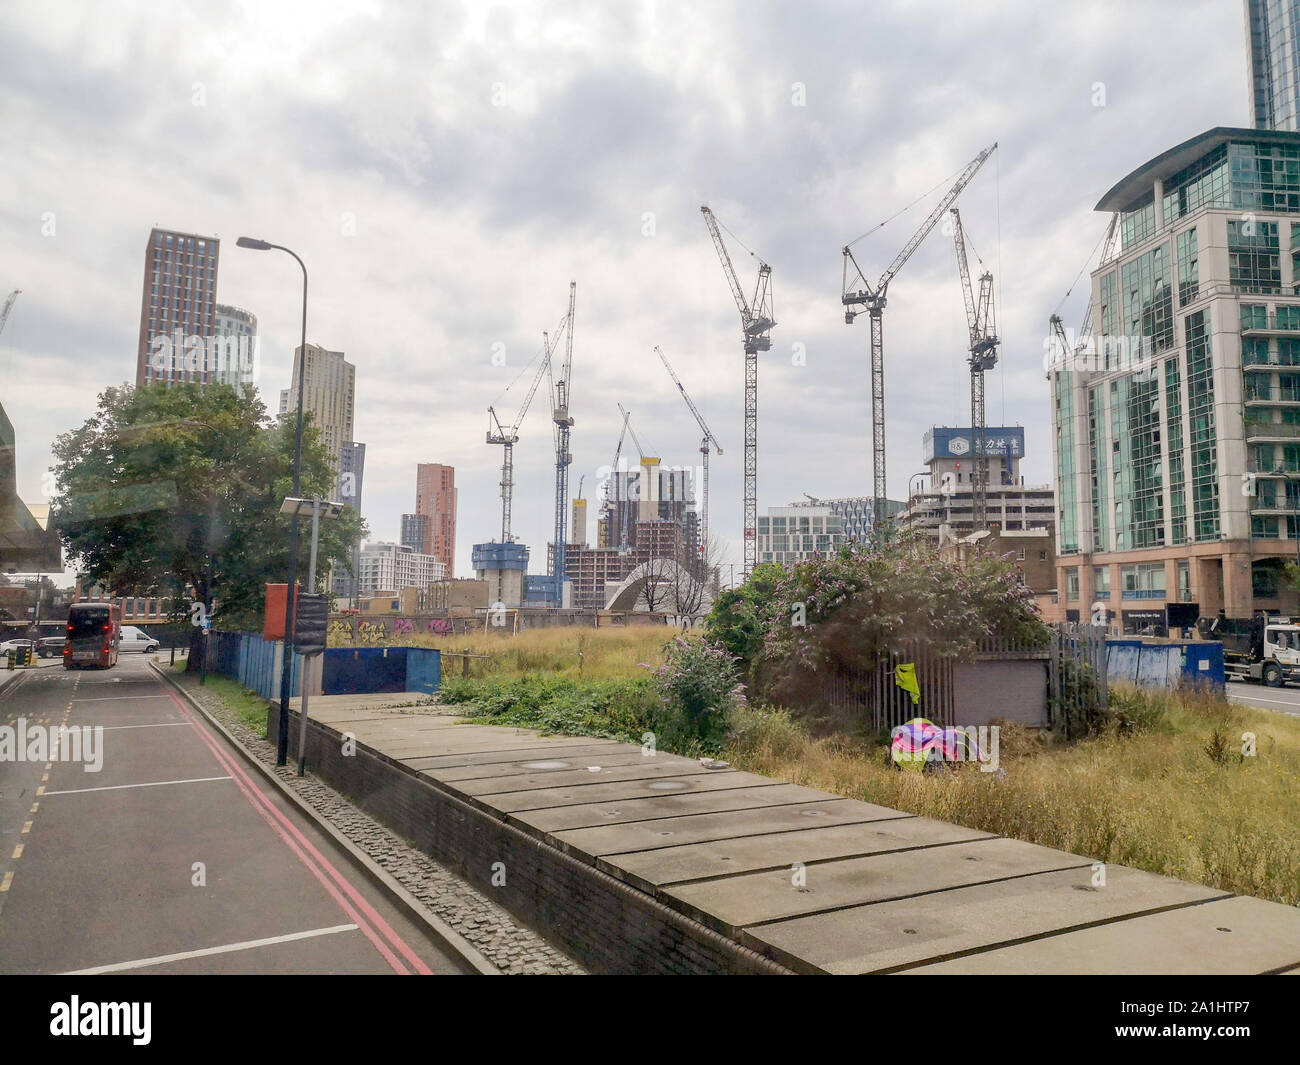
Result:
[445,169]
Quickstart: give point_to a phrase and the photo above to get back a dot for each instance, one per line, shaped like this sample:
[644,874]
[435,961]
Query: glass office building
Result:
[1177,423]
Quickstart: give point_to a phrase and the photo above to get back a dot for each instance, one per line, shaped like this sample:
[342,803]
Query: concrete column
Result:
[1205,585]
[1238,597]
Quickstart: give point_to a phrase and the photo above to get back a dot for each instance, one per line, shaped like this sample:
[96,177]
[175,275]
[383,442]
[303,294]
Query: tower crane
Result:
[9,306]
[707,440]
[872,297]
[983,356]
[508,437]
[560,398]
[756,322]
[615,478]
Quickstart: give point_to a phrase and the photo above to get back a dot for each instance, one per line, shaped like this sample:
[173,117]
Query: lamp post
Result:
[286,662]
[317,508]
[910,480]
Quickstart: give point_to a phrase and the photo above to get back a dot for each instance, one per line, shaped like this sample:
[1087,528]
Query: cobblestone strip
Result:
[515,950]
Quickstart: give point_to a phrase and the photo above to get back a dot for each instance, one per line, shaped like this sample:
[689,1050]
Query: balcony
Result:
[1262,432]
[1284,324]
[1272,361]
[1281,396]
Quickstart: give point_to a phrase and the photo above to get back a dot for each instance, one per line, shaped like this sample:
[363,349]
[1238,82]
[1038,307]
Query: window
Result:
[1145,580]
[1253,259]
[1072,584]
[1189,276]
[1101,581]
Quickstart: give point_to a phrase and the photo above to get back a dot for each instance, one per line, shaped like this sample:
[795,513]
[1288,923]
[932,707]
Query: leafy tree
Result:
[166,489]
[741,617]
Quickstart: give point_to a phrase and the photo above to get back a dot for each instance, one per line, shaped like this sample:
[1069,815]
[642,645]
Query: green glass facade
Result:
[1066,489]
[1174,432]
[1097,462]
[1148,301]
[1189,274]
[1200,410]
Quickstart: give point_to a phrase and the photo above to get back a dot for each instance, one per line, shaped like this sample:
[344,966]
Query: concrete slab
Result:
[1229,936]
[721,825]
[545,798]
[724,858]
[541,749]
[614,756]
[612,813]
[526,779]
[892,935]
[731,904]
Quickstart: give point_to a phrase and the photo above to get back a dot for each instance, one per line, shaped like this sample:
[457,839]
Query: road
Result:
[1283,700]
[175,856]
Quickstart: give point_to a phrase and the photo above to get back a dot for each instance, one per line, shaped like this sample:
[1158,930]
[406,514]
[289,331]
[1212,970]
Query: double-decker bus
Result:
[94,630]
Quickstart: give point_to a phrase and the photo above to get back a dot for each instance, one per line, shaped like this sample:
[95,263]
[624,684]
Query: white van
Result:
[134,639]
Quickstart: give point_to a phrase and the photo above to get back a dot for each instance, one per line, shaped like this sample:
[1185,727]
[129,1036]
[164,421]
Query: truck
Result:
[1264,649]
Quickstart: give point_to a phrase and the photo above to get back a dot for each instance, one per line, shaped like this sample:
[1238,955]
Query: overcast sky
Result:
[444,169]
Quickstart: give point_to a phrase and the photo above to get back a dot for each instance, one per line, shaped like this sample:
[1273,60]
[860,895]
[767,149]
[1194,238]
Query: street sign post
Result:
[311,614]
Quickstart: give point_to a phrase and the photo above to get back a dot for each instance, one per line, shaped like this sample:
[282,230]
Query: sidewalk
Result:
[816,882]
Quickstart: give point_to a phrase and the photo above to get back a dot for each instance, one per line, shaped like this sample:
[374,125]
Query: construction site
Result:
[654,550]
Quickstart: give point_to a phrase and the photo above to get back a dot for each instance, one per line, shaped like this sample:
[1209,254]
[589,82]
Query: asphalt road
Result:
[173,857]
[1284,700]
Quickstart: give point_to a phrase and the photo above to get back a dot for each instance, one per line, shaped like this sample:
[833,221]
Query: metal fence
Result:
[1075,656]
[877,695]
[1077,677]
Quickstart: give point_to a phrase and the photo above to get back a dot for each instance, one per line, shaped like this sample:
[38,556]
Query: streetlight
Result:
[317,508]
[286,661]
[923,473]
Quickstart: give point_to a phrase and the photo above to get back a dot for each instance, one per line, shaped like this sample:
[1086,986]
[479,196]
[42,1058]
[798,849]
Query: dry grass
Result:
[1156,800]
[568,653]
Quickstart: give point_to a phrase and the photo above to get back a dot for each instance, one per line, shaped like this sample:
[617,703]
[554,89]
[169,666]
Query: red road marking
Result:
[354,905]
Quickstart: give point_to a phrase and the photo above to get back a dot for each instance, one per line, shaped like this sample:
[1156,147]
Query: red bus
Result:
[94,630]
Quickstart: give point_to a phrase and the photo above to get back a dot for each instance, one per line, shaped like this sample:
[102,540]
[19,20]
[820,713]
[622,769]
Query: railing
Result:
[1250,359]
[1280,430]
[1273,395]
[1274,323]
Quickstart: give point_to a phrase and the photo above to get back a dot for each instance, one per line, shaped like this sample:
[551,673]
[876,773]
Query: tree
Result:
[169,490]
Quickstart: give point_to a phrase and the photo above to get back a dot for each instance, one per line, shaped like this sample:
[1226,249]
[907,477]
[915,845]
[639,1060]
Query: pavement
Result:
[171,856]
[821,883]
[1284,700]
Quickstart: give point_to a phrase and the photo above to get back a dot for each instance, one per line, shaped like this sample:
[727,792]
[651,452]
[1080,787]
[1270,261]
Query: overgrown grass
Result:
[566,653]
[1156,791]
[615,709]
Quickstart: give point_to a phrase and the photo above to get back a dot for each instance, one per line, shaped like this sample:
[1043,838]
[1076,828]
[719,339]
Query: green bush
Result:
[700,686]
[620,710]
[767,730]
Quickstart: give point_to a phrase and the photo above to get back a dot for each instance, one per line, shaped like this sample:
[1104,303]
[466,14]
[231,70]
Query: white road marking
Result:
[160,724]
[150,784]
[118,698]
[249,944]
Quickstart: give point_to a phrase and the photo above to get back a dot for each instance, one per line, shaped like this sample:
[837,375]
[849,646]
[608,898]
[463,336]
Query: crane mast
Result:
[615,474]
[563,456]
[708,440]
[856,291]
[508,437]
[9,306]
[983,356]
[756,322]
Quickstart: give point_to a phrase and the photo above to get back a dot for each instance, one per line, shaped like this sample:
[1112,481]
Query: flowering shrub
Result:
[700,685]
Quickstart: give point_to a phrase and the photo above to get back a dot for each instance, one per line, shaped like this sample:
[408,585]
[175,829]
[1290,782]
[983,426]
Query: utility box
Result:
[273,614]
